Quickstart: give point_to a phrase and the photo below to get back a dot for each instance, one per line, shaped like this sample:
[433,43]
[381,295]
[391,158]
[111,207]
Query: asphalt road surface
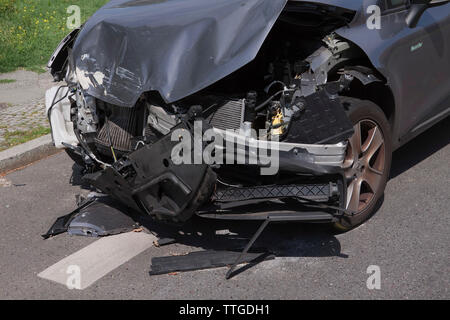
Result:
[408,239]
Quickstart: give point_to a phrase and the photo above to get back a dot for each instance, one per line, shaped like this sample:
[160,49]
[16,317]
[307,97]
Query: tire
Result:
[366,166]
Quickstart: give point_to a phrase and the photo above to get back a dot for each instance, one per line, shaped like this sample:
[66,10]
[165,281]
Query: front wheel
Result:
[368,161]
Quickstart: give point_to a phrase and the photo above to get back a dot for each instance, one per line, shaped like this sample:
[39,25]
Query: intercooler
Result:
[230,115]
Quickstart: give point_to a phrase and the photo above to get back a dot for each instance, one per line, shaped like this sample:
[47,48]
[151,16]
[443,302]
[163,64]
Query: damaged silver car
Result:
[325,96]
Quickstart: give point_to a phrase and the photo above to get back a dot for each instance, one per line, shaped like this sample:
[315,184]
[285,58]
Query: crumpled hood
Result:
[176,47]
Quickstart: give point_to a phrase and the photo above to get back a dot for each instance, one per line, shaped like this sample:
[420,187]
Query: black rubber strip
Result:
[201,260]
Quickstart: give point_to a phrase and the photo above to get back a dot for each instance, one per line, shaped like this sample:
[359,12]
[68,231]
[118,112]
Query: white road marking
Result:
[99,258]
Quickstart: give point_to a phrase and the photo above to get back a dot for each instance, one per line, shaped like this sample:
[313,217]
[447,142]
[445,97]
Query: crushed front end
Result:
[231,124]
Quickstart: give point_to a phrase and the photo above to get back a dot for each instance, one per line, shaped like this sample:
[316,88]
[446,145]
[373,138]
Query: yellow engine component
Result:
[278,124]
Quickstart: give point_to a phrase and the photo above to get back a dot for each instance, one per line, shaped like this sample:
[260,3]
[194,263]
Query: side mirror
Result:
[417,9]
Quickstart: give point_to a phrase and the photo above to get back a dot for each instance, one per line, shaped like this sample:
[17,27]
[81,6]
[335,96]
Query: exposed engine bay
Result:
[286,99]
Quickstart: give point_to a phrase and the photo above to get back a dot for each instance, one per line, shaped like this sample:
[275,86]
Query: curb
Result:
[26,153]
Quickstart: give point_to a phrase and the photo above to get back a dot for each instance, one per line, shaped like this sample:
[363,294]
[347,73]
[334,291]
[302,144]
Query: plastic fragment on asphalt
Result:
[164,242]
[96,216]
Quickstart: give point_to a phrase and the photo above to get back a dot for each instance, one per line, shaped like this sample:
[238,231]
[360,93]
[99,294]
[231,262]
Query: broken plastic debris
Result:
[5,183]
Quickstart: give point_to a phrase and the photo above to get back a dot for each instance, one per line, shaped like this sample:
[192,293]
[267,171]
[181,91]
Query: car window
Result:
[392,4]
[388,6]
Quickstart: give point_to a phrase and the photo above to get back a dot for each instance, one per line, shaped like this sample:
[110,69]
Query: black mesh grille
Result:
[313,192]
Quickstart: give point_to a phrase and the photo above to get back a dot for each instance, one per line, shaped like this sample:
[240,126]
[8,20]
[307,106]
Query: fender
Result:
[59,59]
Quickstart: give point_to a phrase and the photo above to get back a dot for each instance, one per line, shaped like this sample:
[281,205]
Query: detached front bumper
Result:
[315,159]
[147,180]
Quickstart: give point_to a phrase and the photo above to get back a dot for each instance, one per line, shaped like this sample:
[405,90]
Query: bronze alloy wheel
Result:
[367,162]
[364,165]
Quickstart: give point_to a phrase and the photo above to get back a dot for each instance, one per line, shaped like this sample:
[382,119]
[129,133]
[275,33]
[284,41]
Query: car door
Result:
[418,62]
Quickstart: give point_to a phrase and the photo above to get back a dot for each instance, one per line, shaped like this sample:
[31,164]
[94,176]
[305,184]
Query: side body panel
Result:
[415,62]
[354,5]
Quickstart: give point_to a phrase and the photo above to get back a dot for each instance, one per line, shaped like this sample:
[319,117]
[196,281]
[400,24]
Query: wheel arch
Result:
[379,92]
